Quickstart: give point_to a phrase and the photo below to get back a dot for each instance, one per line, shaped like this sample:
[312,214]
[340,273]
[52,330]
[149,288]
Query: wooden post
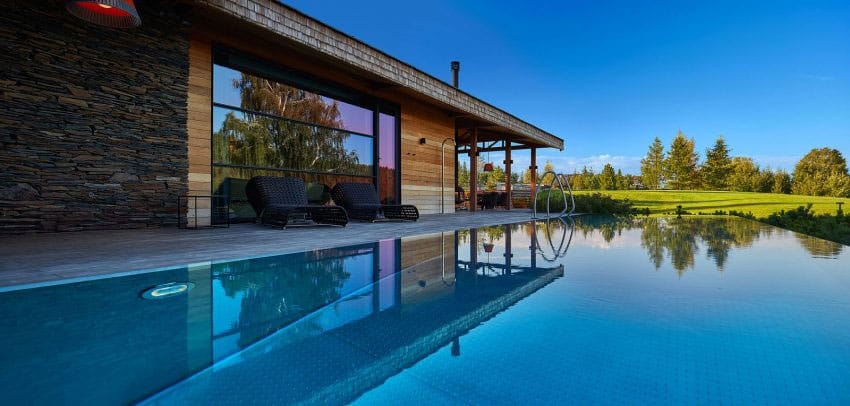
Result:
[508,172]
[473,171]
[533,169]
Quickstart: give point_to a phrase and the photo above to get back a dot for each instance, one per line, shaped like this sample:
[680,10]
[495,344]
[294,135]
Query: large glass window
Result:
[263,126]
[387,164]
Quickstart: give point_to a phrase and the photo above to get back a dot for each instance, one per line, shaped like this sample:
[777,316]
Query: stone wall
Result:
[92,120]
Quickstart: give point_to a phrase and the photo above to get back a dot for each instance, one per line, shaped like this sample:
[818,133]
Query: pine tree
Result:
[680,167]
[715,171]
[651,167]
[622,183]
[608,178]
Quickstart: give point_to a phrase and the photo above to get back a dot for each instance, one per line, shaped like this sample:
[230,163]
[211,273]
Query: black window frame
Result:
[242,62]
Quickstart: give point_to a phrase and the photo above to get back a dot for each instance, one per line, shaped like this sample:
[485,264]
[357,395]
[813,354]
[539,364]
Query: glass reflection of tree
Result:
[276,291]
[259,140]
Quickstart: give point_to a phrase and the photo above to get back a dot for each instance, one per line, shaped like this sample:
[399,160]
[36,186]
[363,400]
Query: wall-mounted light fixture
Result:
[108,13]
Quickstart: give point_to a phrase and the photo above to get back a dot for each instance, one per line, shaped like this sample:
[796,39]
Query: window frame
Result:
[243,62]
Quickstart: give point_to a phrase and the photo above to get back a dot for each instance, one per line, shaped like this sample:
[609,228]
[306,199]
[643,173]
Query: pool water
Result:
[605,310]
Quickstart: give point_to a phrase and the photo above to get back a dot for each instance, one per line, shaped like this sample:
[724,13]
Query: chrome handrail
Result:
[562,179]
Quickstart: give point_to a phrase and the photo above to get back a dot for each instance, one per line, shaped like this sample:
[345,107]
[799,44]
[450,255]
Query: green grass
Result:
[759,204]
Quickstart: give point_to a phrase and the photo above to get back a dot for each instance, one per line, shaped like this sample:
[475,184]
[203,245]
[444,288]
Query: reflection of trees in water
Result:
[818,247]
[259,140]
[608,227]
[679,239]
[277,290]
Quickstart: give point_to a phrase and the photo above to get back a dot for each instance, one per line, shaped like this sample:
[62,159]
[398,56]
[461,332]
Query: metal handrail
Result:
[562,179]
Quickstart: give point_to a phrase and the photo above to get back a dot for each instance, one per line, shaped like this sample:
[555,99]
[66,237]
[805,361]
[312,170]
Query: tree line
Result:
[821,172]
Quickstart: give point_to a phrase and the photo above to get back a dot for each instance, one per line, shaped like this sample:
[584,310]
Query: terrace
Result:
[37,258]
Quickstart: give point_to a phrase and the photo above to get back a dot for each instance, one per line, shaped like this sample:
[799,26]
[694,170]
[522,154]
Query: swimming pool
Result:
[648,310]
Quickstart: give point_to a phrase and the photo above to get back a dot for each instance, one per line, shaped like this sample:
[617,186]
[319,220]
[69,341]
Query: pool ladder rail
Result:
[563,180]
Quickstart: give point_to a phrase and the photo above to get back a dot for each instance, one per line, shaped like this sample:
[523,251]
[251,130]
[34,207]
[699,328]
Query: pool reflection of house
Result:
[104,128]
[398,317]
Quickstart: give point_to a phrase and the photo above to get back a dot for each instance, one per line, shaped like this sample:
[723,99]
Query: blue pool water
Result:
[700,310]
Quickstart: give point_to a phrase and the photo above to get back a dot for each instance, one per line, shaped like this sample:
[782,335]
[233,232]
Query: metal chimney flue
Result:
[455,72]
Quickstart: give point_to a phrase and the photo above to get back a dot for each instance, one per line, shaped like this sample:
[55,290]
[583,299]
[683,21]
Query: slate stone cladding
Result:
[92,120]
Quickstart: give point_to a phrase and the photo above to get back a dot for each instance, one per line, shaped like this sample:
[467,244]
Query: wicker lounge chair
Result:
[361,202]
[276,199]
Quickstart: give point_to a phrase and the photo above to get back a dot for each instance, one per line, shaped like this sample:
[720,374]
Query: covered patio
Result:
[475,137]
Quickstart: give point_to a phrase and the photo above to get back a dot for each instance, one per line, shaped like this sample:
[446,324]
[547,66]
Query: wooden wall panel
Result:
[200,125]
[421,164]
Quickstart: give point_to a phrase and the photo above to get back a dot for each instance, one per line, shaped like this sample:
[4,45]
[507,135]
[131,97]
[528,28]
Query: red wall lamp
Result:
[109,13]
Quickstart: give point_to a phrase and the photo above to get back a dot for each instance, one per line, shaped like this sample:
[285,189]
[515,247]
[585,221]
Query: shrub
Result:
[596,203]
[802,219]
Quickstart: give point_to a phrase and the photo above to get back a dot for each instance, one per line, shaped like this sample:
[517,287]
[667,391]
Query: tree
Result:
[743,175]
[781,182]
[651,166]
[622,181]
[680,167]
[763,182]
[822,172]
[577,181]
[514,178]
[715,170]
[589,179]
[546,180]
[526,177]
[608,178]
[463,176]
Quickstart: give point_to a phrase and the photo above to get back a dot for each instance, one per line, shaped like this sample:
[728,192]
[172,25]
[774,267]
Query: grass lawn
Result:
[760,204]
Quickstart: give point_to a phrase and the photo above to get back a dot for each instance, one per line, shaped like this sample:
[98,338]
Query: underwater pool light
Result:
[167,290]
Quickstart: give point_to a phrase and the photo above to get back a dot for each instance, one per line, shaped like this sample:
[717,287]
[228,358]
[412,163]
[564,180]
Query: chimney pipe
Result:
[455,71]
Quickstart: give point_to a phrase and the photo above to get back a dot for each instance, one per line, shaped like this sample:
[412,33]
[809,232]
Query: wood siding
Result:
[200,125]
[421,163]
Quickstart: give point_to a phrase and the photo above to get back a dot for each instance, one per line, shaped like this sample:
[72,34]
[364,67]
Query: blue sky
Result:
[773,77]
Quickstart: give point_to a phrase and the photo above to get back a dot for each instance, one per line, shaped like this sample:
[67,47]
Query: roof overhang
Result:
[383,70]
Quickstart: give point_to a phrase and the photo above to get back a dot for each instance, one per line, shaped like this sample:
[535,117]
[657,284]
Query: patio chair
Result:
[361,202]
[276,199]
[488,200]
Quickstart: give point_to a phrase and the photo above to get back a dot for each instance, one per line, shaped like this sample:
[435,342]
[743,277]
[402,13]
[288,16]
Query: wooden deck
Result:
[39,258]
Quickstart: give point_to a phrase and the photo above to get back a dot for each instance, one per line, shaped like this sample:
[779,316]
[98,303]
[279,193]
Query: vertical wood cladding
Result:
[421,163]
[93,121]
